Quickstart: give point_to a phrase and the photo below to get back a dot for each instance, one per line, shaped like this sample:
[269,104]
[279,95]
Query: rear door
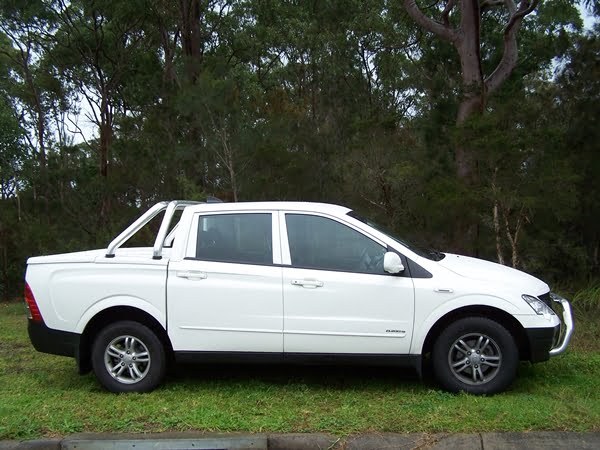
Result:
[226,294]
[337,297]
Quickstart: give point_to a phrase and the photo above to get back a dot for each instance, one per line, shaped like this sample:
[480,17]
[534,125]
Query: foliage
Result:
[107,107]
[587,300]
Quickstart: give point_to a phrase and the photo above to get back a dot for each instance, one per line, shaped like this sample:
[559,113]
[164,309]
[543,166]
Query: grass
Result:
[587,298]
[42,395]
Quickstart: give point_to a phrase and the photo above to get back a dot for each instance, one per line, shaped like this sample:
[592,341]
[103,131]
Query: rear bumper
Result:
[56,342]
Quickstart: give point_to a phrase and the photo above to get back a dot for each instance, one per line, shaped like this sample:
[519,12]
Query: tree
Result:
[484,35]
[348,101]
[466,38]
[578,100]
[30,84]
[93,49]
[12,157]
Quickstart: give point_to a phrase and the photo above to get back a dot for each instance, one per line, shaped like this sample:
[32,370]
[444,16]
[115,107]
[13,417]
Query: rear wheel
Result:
[128,357]
[475,355]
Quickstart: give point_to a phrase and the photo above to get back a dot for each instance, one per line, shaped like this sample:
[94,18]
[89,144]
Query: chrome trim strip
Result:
[235,330]
[397,335]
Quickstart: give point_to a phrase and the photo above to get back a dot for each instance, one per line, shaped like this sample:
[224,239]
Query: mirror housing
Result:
[392,263]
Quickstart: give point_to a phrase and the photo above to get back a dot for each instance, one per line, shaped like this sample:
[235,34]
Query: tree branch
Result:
[428,24]
[511,6]
[510,54]
[488,4]
[79,131]
[524,8]
[446,12]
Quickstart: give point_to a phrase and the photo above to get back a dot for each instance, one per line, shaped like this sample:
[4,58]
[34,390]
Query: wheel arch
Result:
[498,315]
[112,315]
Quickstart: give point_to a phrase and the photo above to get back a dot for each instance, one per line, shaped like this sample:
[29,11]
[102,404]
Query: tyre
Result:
[128,357]
[475,355]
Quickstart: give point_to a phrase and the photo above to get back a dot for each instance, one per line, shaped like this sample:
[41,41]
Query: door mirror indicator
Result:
[392,263]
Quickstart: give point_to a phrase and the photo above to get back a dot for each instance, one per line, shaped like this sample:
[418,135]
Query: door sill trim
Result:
[373,359]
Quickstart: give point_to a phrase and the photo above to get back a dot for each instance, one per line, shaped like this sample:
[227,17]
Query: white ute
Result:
[287,282]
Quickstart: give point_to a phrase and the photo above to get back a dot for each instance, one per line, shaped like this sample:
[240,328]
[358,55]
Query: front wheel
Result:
[128,357]
[475,355]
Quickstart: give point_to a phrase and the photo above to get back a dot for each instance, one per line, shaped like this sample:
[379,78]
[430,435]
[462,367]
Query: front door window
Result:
[320,243]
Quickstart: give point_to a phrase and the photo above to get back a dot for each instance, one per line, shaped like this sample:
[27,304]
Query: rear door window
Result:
[235,238]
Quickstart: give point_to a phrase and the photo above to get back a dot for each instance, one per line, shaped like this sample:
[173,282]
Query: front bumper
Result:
[541,341]
[551,341]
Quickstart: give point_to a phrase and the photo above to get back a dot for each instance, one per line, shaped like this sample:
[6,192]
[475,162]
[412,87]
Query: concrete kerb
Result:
[311,441]
[550,440]
[39,444]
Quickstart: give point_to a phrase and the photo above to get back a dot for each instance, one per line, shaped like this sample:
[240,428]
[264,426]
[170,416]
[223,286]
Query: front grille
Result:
[546,299]
[556,336]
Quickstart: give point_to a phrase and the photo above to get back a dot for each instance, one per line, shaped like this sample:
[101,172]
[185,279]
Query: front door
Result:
[337,297]
[226,294]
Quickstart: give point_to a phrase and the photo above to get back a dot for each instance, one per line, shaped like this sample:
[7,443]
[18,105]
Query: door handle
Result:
[192,275]
[310,284]
[444,290]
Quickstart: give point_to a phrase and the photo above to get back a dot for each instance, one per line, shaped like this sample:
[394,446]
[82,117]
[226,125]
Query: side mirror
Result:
[392,263]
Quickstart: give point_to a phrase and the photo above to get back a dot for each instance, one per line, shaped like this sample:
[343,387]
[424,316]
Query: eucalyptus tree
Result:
[93,48]
[488,37]
[578,110]
[459,22]
[31,85]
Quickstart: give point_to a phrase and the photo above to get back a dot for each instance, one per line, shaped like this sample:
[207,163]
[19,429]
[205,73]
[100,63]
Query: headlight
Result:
[537,305]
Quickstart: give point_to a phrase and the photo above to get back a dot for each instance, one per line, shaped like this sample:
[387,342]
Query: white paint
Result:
[223,306]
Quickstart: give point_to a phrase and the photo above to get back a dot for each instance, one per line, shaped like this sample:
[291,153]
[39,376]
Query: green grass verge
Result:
[42,395]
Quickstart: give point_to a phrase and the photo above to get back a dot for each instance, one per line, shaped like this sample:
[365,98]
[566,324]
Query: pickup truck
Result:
[292,282]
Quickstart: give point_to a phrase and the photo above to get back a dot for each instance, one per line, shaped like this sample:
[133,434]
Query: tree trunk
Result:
[473,91]
[496,216]
[191,40]
[228,159]
[40,133]
[498,233]
[5,279]
[470,106]
[106,135]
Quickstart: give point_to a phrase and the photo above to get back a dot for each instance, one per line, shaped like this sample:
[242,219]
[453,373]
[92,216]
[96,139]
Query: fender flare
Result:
[471,300]
[120,300]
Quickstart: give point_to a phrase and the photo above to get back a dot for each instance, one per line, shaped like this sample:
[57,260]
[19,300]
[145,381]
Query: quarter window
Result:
[321,243]
[235,238]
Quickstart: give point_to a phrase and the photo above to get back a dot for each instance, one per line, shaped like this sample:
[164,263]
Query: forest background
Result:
[466,126]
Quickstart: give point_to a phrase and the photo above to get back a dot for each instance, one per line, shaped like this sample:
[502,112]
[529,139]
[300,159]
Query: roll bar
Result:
[170,208]
[173,206]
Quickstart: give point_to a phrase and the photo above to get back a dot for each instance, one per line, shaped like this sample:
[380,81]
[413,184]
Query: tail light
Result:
[33,312]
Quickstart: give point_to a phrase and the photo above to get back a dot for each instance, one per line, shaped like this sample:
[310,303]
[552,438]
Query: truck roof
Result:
[210,206]
[280,205]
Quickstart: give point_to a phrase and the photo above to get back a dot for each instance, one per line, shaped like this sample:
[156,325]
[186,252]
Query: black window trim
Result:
[247,263]
[412,269]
